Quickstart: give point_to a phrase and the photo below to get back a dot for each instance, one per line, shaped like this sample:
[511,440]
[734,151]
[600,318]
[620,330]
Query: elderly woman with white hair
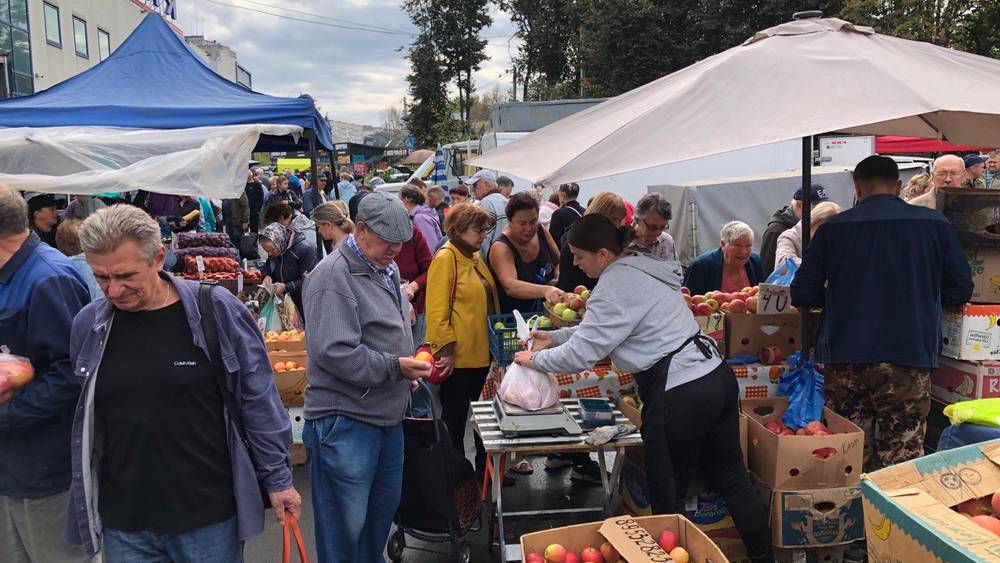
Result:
[729,268]
[790,242]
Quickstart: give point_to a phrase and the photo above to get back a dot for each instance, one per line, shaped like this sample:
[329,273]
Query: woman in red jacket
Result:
[413,261]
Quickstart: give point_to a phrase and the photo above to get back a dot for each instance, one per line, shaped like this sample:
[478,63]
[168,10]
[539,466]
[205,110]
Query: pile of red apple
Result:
[983,511]
[573,305]
[744,301]
[814,428]
[556,553]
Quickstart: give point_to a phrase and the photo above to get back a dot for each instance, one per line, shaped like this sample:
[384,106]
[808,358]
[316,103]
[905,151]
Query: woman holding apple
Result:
[690,418]
[524,259]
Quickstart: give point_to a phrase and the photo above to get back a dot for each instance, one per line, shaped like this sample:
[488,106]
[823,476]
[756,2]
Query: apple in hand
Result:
[579,289]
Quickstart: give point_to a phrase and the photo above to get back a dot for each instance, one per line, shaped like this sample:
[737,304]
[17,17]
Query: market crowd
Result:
[153,430]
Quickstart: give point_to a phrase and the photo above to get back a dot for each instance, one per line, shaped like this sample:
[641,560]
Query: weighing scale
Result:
[515,421]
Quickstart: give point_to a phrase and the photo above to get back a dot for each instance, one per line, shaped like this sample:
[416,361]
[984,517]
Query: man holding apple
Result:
[40,293]
[360,376]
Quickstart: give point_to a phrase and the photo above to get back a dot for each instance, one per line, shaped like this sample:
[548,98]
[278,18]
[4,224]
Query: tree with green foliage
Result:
[429,117]
[549,33]
[453,28]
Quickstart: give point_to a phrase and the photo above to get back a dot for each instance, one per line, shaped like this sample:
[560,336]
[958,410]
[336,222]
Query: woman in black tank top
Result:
[525,259]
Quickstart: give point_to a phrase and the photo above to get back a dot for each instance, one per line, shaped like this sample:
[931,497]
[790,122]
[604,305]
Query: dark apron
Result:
[659,468]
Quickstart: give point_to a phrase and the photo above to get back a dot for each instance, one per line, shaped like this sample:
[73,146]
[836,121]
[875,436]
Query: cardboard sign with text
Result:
[959,380]
[774,300]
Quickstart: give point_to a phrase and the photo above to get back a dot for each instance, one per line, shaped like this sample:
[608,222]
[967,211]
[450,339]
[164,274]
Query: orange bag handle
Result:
[286,549]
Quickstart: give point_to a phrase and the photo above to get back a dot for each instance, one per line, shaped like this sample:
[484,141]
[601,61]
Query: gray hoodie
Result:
[636,314]
[357,333]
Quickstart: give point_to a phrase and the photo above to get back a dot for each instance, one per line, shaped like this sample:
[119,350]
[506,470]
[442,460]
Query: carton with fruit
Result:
[824,453]
[15,373]
[570,311]
[289,376]
[941,507]
[285,341]
[622,539]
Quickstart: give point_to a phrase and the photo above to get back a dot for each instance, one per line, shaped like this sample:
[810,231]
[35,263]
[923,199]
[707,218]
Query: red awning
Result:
[889,144]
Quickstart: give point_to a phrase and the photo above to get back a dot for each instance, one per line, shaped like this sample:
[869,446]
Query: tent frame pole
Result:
[807,163]
[314,179]
[334,176]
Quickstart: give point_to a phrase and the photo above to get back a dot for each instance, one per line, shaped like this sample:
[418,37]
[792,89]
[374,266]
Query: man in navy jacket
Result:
[882,272]
[40,293]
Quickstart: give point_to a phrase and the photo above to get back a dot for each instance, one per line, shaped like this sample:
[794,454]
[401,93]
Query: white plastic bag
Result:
[528,388]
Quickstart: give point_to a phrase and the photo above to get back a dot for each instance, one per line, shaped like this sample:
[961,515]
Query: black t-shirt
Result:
[48,237]
[165,467]
[538,271]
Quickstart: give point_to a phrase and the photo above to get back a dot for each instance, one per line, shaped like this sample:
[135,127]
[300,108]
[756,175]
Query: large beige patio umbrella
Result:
[802,78]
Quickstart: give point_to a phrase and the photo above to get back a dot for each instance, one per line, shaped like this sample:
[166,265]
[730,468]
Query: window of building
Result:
[243,77]
[52,33]
[15,41]
[103,43]
[80,37]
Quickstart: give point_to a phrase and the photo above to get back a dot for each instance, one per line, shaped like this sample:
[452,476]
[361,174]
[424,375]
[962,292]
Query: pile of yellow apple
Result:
[284,336]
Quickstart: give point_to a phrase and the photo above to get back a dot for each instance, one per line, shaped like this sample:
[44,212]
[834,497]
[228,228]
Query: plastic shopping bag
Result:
[268,318]
[803,385]
[288,313]
[985,412]
[784,273]
[528,388]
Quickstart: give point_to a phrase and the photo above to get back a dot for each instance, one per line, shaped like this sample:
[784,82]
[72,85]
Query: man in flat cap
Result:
[360,376]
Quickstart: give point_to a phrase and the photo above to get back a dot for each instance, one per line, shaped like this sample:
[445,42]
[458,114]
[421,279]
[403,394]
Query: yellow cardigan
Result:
[465,326]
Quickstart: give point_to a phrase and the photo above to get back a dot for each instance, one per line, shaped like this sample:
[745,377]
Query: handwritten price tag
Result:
[774,299]
[239,282]
[200,262]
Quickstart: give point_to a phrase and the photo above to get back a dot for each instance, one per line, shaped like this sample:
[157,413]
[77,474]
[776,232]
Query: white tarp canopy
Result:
[206,161]
[794,80]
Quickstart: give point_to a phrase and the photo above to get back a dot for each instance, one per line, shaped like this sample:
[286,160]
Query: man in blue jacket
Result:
[40,293]
[882,272]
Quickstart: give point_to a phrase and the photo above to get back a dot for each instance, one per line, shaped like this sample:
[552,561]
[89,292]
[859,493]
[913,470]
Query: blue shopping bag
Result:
[803,385]
[784,273]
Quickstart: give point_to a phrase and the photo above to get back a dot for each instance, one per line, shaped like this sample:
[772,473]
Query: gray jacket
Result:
[635,314]
[249,378]
[357,333]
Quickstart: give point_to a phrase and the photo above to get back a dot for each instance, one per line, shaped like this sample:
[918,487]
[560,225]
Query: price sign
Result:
[239,282]
[774,299]
[200,261]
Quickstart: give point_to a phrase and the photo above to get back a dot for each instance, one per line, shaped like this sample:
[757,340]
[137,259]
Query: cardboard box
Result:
[985,266]
[714,326]
[298,419]
[813,517]
[972,334]
[759,381]
[959,380]
[287,346]
[291,384]
[787,462]
[908,507]
[832,554]
[747,334]
[634,538]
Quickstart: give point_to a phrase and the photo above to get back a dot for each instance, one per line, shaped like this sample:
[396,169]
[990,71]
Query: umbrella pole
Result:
[807,162]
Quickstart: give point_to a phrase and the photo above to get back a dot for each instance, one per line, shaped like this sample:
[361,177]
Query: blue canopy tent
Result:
[154,81]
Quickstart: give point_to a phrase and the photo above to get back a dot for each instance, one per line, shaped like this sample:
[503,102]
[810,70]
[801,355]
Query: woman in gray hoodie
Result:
[690,417]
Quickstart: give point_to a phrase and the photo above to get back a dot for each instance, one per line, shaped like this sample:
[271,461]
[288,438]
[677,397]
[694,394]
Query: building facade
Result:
[43,42]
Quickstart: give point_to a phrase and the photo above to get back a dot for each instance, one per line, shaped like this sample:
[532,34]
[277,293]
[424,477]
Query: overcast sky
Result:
[354,75]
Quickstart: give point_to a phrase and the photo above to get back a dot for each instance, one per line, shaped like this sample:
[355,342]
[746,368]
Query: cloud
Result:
[352,74]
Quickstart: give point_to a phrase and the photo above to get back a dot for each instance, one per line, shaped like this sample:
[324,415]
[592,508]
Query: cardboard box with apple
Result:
[290,376]
[985,266]
[972,333]
[649,539]
[961,380]
[746,335]
[787,462]
[911,509]
[759,381]
[813,517]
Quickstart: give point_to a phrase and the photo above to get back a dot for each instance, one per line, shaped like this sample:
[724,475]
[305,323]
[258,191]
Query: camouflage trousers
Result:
[889,402]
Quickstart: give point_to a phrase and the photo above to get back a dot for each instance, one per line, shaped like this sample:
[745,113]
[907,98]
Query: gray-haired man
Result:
[40,293]
[360,376]
[178,429]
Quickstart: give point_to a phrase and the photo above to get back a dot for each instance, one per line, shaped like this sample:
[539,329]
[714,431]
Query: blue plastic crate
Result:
[504,342]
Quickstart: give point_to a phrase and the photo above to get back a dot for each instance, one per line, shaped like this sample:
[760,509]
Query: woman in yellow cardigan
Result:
[461,293]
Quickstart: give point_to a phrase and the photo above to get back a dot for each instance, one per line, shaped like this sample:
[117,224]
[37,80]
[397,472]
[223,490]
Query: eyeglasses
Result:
[946,174]
[481,231]
[653,228]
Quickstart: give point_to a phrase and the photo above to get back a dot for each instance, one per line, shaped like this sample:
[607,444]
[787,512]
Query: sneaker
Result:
[558,461]
[589,472]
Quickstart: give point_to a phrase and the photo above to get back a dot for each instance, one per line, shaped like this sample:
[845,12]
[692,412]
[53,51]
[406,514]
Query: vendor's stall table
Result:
[498,447]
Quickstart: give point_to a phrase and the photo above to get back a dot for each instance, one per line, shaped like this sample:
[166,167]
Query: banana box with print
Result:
[913,511]
[985,266]
[954,381]
[972,333]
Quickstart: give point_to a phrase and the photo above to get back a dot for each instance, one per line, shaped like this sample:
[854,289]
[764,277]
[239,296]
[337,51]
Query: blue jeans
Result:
[356,471]
[419,330]
[217,543]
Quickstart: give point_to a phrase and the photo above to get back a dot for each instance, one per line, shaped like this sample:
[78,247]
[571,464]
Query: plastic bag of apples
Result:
[15,373]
